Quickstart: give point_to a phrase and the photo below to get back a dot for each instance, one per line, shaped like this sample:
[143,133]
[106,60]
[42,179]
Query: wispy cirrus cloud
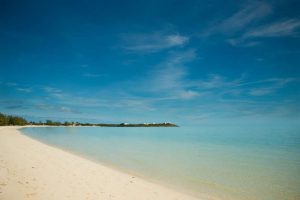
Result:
[17,87]
[246,15]
[170,77]
[262,91]
[247,26]
[283,28]
[56,108]
[153,42]
[277,29]
[27,90]
[54,92]
[169,88]
[241,86]
[269,86]
[171,80]
[215,81]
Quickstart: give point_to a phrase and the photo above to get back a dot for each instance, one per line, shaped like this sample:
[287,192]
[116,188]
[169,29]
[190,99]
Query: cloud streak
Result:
[26,90]
[168,88]
[284,28]
[170,77]
[54,92]
[239,20]
[277,29]
[245,28]
[216,81]
[272,86]
[153,42]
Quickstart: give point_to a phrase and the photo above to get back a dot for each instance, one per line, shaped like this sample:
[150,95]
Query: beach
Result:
[30,169]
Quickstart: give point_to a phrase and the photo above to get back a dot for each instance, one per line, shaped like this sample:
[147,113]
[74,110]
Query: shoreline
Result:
[200,196]
[30,169]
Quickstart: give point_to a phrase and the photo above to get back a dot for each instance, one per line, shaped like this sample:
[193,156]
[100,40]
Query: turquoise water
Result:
[252,164]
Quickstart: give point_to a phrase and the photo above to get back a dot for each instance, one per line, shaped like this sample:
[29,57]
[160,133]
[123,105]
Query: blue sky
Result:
[188,62]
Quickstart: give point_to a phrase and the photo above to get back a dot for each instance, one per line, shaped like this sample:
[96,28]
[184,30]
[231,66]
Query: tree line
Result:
[11,120]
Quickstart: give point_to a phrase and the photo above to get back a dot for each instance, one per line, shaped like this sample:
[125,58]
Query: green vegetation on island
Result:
[10,120]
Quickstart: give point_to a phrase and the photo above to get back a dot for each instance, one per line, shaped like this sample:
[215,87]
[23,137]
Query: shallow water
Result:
[251,164]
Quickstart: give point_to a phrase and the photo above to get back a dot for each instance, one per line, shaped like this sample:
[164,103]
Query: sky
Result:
[195,62]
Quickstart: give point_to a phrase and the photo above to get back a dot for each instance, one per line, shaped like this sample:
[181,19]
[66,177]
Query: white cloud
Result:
[66,109]
[170,77]
[170,80]
[55,108]
[239,87]
[153,42]
[134,103]
[261,91]
[269,86]
[174,40]
[245,16]
[240,19]
[54,92]
[270,81]
[216,81]
[166,78]
[242,42]
[27,90]
[18,87]
[245,27]
[277,29]
[188,94]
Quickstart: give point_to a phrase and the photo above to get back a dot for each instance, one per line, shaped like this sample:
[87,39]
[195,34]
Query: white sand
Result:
[32,170]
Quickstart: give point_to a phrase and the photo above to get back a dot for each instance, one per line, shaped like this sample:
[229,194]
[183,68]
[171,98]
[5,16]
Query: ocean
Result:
[223,163]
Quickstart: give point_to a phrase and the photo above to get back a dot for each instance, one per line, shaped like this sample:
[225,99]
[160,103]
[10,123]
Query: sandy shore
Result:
[33,170]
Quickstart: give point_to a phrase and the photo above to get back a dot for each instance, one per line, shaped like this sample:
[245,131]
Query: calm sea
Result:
[241,164]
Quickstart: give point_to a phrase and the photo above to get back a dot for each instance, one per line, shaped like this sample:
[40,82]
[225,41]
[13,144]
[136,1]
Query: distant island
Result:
[10,120]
